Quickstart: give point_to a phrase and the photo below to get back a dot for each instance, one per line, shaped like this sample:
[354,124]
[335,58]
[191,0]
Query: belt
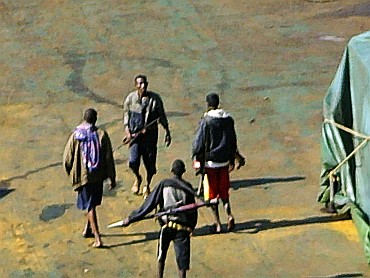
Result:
[177,227]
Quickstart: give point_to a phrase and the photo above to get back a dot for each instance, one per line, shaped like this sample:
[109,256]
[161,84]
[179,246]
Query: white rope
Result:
[332,173]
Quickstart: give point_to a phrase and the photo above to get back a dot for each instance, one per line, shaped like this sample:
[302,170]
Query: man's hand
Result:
[167,139]
[112,185]
[240,160]
[196,165]
[128,133]
[126,222]
[231,167]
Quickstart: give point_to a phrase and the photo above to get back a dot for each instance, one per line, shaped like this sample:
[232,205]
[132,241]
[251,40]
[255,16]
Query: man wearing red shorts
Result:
[215,146]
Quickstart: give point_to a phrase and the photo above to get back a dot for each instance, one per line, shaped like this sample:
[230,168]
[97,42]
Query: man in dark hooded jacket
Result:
[168,194]
[214,149]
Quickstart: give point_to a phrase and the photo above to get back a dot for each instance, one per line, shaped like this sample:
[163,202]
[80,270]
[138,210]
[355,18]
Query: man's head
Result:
[90,116]
[213,100]
[141,83]
[178,167]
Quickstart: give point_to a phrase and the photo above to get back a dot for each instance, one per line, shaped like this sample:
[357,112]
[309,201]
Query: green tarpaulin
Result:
[345,147]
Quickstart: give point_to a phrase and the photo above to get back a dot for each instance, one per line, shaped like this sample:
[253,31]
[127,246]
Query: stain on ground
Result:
[53,212]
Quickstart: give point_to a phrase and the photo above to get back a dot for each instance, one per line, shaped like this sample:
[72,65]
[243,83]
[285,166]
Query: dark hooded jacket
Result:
[215,139]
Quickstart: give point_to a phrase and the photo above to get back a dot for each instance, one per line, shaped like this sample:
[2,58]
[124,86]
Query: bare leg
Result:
[160,270]
[216,216]
[149,179]
[87,232]
[182,273]
[146,188]
[136,186]
[230,217]
[92,218]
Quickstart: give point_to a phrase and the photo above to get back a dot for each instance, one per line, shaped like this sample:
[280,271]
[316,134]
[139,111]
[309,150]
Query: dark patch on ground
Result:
[176,114]
[53,211]
[356,10]
[75,80]
[279,86]
[321,1]
[119,161]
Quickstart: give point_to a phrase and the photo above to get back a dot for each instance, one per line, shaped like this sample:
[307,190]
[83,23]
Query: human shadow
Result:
[259,181]
[4,192]
[6,182]
[147,236]
[109,124]
[259,225]
[249,227]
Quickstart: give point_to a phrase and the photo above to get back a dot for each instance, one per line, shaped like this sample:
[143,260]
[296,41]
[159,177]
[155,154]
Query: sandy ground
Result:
[271,61]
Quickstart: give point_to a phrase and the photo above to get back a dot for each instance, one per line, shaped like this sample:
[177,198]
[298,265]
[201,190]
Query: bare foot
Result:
[136,186]
[87,233]
[97,244]
[230,224]
[216,228]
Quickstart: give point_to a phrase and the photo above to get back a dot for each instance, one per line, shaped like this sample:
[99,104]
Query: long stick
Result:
[141,132]
[125,142]
[172,211]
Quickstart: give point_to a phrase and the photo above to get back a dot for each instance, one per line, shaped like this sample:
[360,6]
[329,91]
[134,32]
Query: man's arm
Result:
[126,115]
[110,168]
[233,143]
[163,120]
[199,142]
[150,203]
[68,155]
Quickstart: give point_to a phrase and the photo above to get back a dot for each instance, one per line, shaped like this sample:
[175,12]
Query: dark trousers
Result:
[149,154]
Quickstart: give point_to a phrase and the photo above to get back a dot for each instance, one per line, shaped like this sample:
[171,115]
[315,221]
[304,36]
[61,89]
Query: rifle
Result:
[172,211]
[131,141]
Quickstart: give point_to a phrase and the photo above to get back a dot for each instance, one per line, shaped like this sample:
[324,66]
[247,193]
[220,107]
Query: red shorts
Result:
[219,182]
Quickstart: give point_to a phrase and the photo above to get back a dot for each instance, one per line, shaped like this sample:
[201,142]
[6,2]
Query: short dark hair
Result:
[91,116]
[141,76]
[213,100]
[178,167]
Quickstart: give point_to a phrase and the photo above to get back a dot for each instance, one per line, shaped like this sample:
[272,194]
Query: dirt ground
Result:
[271,61]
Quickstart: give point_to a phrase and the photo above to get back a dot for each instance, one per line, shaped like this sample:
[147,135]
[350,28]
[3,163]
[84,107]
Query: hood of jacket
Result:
[217,113]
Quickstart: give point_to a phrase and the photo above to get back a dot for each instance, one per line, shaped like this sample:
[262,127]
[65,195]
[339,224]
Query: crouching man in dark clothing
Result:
[171,193]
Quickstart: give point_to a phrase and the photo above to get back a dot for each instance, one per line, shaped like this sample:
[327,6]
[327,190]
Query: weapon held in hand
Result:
[172,211]
[132,140]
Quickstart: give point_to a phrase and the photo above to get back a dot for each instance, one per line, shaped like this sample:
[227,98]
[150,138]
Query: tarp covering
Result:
[345,150]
